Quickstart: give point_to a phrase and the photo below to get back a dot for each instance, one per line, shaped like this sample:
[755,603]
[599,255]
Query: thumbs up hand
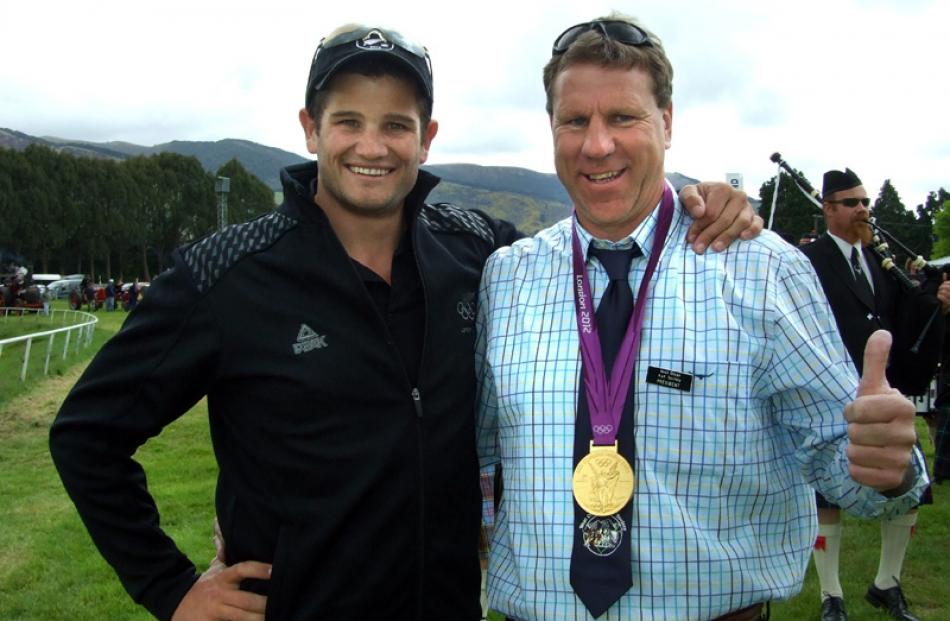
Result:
[880,423]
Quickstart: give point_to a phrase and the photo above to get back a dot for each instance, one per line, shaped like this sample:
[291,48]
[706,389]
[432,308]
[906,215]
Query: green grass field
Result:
[50,570]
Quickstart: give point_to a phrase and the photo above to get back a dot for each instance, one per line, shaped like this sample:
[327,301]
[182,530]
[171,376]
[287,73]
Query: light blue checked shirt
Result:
[723,516]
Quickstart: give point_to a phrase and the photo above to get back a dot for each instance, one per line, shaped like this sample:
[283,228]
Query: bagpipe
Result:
[918,329]
[878,245]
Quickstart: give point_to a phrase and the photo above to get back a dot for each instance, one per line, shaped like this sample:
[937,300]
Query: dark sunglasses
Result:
[388,36]
[613,30]
[852,202]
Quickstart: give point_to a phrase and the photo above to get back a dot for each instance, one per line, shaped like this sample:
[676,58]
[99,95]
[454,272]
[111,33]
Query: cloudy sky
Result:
[829,84]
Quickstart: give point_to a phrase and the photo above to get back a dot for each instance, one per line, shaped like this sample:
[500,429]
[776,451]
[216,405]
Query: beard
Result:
[864,232]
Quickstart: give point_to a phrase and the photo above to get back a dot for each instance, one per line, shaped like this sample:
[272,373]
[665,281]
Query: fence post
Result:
[26,359]
[49,350]
[66,344]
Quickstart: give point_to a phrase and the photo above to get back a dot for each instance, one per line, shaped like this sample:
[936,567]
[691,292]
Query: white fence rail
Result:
[77,327]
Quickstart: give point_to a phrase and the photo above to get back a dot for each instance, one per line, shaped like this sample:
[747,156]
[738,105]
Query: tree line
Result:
[926,230]
[113,219]
[122,219]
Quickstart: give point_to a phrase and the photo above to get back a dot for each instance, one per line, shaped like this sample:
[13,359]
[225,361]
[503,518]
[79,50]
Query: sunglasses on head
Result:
[613,30]
[390,36]
[852,202]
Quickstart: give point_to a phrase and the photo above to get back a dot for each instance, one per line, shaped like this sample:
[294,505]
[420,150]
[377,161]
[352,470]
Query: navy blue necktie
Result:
[601,566]
[864,287]
[616,305]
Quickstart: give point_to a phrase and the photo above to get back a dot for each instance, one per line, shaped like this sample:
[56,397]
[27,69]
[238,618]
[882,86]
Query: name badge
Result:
[669,379]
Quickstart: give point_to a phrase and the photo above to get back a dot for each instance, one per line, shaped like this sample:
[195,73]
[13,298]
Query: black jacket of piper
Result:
[903,313]
[359,487]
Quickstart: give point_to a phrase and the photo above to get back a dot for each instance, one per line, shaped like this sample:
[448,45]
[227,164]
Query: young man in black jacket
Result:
[342,417]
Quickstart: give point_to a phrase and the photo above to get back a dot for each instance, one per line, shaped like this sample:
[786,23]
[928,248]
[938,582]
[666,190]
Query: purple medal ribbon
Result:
[605,399]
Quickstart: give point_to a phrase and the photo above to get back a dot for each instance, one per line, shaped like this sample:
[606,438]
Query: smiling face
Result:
[610,139]
[369,144]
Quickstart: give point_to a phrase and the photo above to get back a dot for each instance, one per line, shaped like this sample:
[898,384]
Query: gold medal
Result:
[603,481]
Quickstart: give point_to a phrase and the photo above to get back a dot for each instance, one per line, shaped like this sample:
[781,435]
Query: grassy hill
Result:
[528,213]
[261,161]
[543,186]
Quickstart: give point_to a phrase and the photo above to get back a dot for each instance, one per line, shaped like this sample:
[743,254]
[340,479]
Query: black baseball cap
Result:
[334,53]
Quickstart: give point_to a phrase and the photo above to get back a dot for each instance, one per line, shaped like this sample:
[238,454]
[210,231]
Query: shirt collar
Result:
[642,235]
[844,246]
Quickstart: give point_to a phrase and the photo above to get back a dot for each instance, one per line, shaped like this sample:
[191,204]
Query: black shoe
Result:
[832,609]
[892,599]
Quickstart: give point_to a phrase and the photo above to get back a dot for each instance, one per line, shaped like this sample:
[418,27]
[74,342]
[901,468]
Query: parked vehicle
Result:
[44,280]
[60,289]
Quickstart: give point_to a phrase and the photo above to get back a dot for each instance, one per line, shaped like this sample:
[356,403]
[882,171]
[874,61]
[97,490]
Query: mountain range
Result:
[529,199]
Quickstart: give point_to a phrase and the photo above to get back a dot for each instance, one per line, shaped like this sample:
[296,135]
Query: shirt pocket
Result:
[717,422]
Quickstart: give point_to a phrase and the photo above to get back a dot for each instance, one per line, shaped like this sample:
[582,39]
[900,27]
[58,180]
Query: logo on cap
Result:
[374,40]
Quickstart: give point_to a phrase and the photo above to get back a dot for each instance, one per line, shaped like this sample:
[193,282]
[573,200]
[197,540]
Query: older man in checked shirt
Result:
[739,378]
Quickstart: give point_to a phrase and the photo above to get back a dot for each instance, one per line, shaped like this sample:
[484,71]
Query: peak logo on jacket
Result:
[308,340]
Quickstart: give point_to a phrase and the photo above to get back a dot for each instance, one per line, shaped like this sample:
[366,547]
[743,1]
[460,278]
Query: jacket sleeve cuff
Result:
[163,603]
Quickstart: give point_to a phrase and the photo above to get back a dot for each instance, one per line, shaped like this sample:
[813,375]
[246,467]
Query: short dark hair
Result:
[593,48]
[373,68]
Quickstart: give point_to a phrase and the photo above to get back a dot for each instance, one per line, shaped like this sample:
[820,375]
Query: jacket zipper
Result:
[417,402]
[414,394]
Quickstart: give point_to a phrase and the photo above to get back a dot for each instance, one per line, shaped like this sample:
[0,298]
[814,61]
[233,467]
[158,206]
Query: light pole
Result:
[222,185]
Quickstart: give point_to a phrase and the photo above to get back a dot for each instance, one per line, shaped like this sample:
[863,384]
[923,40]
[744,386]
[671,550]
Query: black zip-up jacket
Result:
[359,487]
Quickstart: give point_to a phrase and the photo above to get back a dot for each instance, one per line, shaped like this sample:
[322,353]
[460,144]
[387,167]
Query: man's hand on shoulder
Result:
[720,215]
[217,594]
[880,424]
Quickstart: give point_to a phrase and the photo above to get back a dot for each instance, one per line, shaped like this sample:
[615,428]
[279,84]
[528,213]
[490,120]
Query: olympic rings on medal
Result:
[603,428]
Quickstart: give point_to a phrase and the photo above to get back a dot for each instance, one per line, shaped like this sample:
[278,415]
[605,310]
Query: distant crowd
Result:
[19,289]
